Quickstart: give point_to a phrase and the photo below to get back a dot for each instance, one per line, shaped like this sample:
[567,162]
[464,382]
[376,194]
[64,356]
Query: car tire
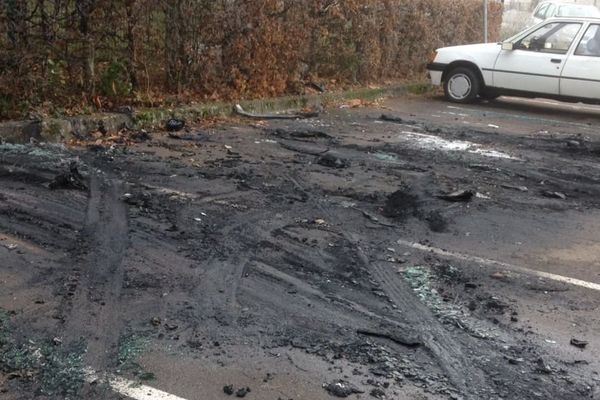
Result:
[462,85]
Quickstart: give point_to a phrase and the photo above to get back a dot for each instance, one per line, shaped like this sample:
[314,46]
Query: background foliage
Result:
[73,54]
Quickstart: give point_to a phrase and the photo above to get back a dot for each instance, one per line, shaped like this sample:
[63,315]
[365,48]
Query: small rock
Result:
[331,161]
[155,321]
[228,390]
[457,196]
[140,136]
[519,188]
[378,393]
[268,377]
[391,118]
[543,367]
[502,276]
[174,125]
[341,389]
[579,343]
[554,195]
[69,180]
[242,392]
[472,306]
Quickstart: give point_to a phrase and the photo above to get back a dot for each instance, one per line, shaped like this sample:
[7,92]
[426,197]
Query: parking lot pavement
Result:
[413,249]
[517,115]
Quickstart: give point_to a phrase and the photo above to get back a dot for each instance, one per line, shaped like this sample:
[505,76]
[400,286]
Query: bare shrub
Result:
[74,54]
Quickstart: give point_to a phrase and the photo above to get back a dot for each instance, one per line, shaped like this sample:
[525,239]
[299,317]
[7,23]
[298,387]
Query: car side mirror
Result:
[509,46]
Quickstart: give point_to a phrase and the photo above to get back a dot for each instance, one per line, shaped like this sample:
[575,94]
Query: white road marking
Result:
[130,389]
[494,263]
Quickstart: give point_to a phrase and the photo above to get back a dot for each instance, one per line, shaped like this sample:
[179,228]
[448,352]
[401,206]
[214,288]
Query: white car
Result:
[552,9]
[558,59]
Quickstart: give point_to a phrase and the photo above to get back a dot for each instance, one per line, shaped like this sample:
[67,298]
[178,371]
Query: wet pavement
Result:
[412,249]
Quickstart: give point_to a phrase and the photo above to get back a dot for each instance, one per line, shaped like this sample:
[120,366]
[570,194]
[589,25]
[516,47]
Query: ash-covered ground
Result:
[410,250]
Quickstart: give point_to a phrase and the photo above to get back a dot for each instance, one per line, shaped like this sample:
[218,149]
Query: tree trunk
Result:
[172,41]
[85,9]
[131,44]
[17,14]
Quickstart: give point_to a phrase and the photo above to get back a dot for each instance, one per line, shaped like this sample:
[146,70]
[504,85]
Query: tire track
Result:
[219,279]
[93,312]
[450,355]
[470,364]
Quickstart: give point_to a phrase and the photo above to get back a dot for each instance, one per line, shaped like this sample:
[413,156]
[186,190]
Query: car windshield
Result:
[573,10]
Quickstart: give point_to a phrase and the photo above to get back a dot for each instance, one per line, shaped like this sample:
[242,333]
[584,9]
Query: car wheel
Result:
[461,85]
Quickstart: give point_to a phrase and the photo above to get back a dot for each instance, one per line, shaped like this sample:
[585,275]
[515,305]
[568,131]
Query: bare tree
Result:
[84,9]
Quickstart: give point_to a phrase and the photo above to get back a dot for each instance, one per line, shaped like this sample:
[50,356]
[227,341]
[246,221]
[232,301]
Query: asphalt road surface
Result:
[409,249]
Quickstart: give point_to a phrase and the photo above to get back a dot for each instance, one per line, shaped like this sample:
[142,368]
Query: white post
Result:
[485,21]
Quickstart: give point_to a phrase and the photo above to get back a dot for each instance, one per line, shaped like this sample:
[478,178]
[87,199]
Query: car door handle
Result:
[556,60]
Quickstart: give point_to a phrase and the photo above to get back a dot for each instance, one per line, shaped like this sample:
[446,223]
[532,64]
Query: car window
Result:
[590,43]
[555,37]
[550,12]
[541,11]
[574,10]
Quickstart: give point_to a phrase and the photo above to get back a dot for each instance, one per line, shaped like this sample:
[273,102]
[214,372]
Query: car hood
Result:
[483,55]
[472,48]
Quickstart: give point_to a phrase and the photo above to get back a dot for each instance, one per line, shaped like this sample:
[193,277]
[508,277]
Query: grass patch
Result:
[421,89]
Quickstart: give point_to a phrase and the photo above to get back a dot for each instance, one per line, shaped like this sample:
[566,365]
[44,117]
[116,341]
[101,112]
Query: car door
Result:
[536,61]
[581,74]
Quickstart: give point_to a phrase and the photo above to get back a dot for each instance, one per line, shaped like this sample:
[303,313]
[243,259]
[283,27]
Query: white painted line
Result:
[130,389]
[494,263]
[139,392]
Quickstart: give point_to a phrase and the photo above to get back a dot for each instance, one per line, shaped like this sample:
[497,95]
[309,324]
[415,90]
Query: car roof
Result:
[560,3]
[574,19]
[566,3]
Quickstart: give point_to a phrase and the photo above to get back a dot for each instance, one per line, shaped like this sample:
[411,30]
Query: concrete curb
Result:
[60,129]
